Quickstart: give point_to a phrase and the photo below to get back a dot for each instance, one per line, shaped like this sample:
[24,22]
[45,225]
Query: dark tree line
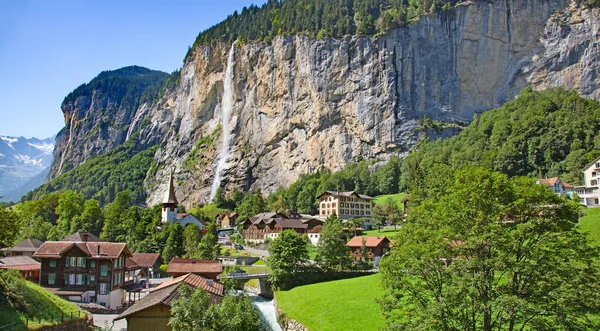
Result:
[319,18]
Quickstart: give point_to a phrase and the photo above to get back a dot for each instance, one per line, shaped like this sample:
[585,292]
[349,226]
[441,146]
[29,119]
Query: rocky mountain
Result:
[21,159]
[295,104]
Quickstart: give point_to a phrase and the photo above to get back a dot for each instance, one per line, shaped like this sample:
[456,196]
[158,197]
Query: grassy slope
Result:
[348,304]
[397,198]
[591,224]
[209,210]
[40,303]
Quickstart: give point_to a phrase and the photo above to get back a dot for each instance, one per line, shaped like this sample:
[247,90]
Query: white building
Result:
[169,210]
[589,193]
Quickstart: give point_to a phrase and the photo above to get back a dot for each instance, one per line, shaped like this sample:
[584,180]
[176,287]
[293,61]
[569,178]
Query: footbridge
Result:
[264,286]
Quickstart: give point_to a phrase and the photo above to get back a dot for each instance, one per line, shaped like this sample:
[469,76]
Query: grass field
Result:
[348,304]
[384,232]
[591,224]
[40,303]
[397,198]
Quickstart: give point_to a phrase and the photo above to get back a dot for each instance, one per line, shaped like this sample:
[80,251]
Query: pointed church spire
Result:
[170,198]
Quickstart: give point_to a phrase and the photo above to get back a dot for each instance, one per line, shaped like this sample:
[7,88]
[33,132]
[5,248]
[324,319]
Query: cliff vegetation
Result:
[549,133]
[319,18]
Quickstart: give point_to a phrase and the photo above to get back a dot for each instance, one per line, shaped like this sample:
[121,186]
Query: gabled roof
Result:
[548,181]
[25,245]
[182,215]
[167,292]
[146,260]
[55,249]
[170,197]
[590,164]
[266,217]
[345,194]
[182,265]
[370,241]
[81,237]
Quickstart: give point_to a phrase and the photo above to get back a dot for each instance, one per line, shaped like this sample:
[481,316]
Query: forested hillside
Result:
[319,18]
[550,133]
[127,87]
[102,177]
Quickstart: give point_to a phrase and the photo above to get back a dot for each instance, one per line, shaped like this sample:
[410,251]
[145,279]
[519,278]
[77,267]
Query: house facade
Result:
[376,246]
[347,205]
[557,185]
[227,221]
[85,271]
[589,193]
[270,225]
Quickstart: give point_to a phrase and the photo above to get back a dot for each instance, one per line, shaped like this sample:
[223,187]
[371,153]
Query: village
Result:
[107,278]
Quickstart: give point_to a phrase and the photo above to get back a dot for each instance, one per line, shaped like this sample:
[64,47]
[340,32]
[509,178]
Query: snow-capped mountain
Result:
[21,159]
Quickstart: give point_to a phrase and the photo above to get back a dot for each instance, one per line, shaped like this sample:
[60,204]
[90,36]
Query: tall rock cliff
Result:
[99,114]
[300,104]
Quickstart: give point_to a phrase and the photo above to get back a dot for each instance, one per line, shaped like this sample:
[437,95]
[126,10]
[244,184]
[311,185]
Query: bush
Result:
[163,270]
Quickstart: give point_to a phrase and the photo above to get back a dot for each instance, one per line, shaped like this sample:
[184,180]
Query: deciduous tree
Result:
[332,252]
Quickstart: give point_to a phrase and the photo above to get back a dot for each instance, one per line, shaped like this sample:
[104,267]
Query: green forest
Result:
[539,134]
[319,18]
[128,87]
[102,177]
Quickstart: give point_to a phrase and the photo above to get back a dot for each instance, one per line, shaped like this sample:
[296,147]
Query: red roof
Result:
[195,281]
[183,266]
[370,241]
[55,249]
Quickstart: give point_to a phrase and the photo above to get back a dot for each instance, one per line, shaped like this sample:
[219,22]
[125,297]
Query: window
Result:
[81,262]
[51,279]
[594,182]
[93,264]
[71,279]
[93,278]
[103,288]
[115,263]
[104,270]
[52,264]
[79,279]
[73,261]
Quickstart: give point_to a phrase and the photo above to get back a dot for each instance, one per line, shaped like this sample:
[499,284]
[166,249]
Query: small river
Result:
[267,310]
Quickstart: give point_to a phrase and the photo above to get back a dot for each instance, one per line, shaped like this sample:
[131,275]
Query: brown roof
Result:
[64,291]
[146,260]
[182,215]
[291,223]
[167,292]
[370,241]
[25,245]
[170,197]
[23,263]
[55,249]
[346,194]
[548,181]
[181,265]
[81,237]
[567,185]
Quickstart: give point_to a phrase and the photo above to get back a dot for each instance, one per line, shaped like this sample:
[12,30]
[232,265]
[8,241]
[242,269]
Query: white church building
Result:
[169,210]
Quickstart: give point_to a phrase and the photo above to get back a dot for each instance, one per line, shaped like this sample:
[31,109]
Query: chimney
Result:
[209,282]
[193,260]
[85,236]
[98,249]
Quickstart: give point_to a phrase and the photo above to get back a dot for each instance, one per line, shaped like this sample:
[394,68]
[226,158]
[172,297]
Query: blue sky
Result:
[48,48]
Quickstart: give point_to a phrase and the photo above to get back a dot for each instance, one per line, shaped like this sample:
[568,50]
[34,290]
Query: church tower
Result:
[169,210]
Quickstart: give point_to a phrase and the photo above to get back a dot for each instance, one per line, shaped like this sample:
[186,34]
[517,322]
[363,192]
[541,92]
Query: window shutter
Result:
[68,259]
[84,262]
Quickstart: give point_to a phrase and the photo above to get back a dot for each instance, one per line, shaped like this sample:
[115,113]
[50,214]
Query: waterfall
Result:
[226,108]
[62,158]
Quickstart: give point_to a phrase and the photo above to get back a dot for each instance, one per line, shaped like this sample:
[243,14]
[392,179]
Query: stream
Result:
[267,310]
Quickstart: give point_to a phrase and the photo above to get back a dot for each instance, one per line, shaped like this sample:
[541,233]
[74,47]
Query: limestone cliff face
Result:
[570,57]
[101,114]
[303,104]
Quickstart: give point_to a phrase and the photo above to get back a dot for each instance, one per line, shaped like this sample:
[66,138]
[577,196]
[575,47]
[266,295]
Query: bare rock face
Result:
[303,104]
[570,56]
